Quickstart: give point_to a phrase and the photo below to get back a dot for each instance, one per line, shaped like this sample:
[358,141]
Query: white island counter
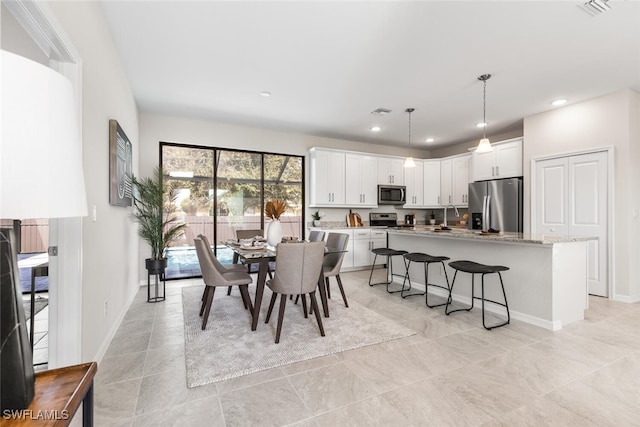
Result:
[545,286]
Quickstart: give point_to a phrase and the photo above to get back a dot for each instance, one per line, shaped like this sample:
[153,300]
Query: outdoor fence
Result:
[34,234]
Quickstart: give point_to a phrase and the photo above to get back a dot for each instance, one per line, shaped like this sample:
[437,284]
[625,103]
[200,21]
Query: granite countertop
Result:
[465,234]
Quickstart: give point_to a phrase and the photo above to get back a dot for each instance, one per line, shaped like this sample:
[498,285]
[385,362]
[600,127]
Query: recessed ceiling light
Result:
[481,125]
[376,128]
[429,140]
[558,102]
[265,93]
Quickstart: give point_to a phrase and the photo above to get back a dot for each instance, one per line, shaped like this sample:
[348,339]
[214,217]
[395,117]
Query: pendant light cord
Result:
[410,110]
[484,109]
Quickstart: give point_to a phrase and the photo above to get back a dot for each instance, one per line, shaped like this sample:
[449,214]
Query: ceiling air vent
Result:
[381,111]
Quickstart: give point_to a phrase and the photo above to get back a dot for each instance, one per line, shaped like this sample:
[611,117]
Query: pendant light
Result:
[484,146]
[409,162]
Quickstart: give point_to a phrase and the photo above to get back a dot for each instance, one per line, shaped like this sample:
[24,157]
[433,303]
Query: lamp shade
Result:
[484,146]
[409,163]
[41,173]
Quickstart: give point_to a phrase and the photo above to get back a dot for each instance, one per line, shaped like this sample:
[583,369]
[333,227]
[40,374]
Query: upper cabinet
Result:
[414,181]
[431,183]
[505,161]
[342,179]
[361,180]
[327,178]
[390,171]
[454,180]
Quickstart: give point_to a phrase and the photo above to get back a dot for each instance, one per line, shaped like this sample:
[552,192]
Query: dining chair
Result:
[316,236]
[213,278]
[333,262]
[222,268]
[298,267]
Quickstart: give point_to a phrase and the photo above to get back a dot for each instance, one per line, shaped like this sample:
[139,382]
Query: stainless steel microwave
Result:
[392,194]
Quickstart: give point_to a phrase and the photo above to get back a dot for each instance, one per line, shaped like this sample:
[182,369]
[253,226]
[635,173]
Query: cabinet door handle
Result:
[391,179]
[497,170]
[438,199]
[449,198]
[364,198]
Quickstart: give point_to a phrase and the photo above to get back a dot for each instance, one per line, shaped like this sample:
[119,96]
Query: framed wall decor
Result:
[119,166]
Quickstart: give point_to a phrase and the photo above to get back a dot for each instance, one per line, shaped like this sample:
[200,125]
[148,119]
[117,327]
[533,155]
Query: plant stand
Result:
[159,277]
[156,268]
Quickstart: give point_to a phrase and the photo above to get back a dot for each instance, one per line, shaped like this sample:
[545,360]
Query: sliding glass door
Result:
[221,191]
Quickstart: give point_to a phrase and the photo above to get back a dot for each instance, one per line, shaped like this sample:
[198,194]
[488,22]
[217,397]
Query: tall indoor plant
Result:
[157,225]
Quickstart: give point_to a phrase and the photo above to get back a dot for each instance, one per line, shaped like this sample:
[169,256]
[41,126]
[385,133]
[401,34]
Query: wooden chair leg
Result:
[344,297]
[304,306]
[283,303]
[207,308]
[246,299]
[326,279]
[271,304]
[229,290]
[205,294]
[314,305]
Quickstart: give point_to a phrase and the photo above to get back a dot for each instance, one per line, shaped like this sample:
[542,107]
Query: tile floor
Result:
[452,372]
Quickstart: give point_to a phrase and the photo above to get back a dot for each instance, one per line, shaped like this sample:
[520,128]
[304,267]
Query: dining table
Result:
[263,256]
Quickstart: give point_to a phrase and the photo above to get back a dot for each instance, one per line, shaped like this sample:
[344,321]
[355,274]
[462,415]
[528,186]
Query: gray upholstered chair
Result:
[298,268]
[316,236]
[333,262]
[222,268]
[213,277]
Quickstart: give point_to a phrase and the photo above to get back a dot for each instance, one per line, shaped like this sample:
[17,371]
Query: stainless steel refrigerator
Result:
[496,204]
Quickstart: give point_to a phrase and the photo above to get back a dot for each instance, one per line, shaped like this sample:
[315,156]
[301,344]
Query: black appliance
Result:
[392,194]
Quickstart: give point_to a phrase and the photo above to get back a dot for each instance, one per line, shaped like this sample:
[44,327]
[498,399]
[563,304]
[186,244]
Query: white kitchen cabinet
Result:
[414,181]
[327,178]
[454,180]
[446,188]
[378,240]
[431,173]
[361,242]
[390,171]
[460,175]
[361,180]
[505,161]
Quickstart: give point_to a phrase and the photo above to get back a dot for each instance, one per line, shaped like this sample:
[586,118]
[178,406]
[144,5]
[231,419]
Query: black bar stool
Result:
[388,252]
[474,268]
[426,260]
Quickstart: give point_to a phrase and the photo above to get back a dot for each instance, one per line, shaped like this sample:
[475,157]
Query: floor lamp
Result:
[40,177]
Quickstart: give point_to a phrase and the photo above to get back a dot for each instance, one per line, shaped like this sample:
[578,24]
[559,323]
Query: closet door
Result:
[588,213]
[571,200]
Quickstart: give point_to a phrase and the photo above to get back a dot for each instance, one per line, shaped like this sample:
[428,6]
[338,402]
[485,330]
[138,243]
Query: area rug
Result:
[228,348]
[39,305]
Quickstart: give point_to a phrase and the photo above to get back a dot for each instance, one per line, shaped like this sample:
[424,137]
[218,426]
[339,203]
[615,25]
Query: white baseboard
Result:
[627,298]
[491,307]
[112,332]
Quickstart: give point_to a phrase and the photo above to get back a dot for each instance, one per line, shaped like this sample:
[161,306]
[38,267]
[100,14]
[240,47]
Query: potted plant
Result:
[273,209]
[157,224]
[316,218]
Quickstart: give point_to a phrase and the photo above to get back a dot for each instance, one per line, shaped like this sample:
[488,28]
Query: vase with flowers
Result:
[273,209]
[317,215]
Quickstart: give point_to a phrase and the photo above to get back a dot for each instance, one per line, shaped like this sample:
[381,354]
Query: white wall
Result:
[612,120]
[110,244]
[155,128]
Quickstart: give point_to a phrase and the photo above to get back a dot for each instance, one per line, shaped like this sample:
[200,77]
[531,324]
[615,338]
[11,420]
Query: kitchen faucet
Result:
[445,213]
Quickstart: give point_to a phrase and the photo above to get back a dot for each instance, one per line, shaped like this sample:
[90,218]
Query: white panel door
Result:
[571,199]
[552,184]
[446,187]
[431,175]
[588,213]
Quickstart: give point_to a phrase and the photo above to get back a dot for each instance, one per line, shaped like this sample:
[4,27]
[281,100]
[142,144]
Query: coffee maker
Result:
[410,219]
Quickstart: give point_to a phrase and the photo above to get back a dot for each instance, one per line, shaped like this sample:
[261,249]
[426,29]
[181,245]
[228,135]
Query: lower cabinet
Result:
[361,242]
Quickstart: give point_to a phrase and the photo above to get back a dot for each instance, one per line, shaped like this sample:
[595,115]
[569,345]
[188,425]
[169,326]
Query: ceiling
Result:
[329,64]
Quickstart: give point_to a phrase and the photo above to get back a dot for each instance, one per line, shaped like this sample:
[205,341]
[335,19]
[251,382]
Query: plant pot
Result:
[316,223]
[274,232]
[155,266]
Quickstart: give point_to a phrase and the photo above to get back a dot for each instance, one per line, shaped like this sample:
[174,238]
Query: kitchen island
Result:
[545,286]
